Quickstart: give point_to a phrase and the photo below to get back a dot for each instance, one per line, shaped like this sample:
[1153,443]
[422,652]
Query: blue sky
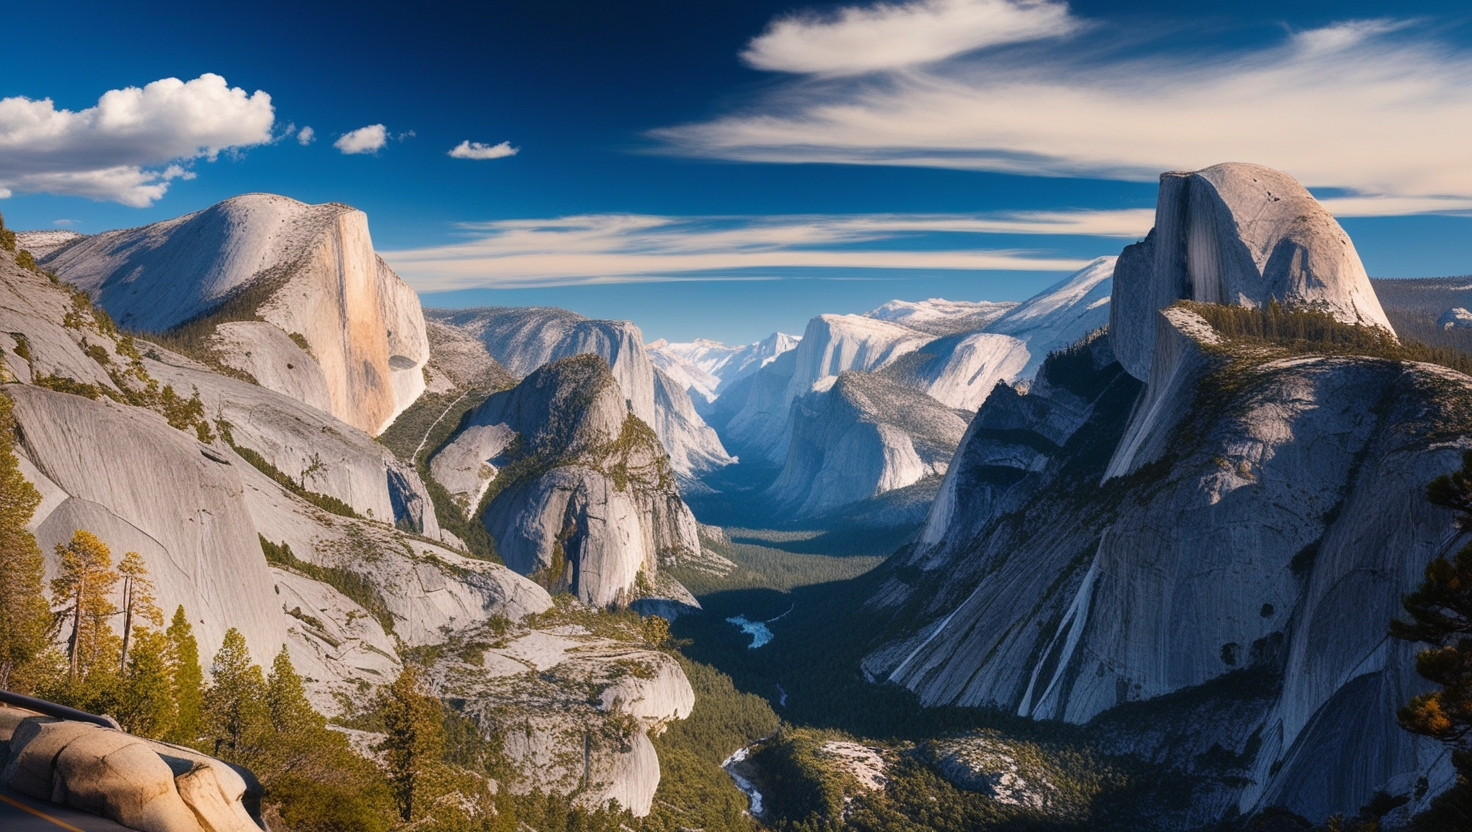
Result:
[723,169]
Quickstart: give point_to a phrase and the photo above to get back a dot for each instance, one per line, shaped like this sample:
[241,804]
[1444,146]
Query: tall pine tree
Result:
[414,740]
[84,591]
[139,608]
[25,620]
[188,680]
[236,715]
[1441,616]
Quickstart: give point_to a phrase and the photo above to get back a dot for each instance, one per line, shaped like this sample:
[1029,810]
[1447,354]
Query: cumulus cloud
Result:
[889,36]
[476,150]
[1378,108]
[370,139]
[132,143]
[621,248]
[306,136]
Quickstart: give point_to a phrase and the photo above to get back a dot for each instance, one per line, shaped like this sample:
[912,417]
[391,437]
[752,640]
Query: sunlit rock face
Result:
[307,307]
[525,338]
[1222,546]
[864,436]
[585,498]
[1237,234]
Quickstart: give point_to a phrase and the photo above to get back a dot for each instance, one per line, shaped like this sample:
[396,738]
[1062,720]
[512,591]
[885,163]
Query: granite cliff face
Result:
[289,293]
[1231,539]
[706,368]
[932,358]
[225,488]
[525,338]
[584,497]
[1238,234]
[862,437]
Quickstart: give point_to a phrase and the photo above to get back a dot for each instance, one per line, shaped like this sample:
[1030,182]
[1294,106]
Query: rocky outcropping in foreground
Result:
[584,497]
[291,294]
[141,784]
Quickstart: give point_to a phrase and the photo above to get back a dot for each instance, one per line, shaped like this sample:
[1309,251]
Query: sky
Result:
[727,168]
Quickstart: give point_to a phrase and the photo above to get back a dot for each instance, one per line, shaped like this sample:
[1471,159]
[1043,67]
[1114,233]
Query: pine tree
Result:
[147,706]
[138,601]
[414,739]
[188,680]
[84,588]
[1441,616]
[25,620]
[291,713]
[235,711]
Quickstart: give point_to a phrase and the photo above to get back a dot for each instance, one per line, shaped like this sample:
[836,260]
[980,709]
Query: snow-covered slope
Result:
[42,243]
[709,367]
[290,275]
[941,317]
[525,338]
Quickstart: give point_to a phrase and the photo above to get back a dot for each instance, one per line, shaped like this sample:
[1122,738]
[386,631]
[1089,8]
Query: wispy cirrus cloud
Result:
[1380,108]
[629,248]
[621,248]
[130,145]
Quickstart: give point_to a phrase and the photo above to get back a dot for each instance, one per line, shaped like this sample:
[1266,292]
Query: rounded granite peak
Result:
[1239,234]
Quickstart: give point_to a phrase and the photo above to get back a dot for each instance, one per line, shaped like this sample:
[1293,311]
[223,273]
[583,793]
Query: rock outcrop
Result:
[138,783]
[311,447]
[864,436]
[313,312]
[575,708]
[525,338]
[1455,318]
[1232,539]
[585,498]
[1237,234]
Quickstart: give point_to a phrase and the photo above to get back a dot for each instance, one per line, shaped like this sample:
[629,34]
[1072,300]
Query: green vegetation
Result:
[326,502]
[355,586]
[694,792]
[25,619]
[1441,616]
[1299,331]
[766,559]
[426,426]
[7,237]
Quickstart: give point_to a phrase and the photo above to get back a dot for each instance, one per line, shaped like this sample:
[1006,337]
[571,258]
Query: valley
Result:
[1122,555]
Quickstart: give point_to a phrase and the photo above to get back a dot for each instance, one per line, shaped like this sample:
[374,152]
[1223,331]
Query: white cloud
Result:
[370,139]
[616,248]
[114,151]
[858,39]
[306,136]
[476,150]
[1373,107]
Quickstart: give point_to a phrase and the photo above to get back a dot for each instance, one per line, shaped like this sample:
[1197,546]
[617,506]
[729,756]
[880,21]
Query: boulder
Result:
[143,785]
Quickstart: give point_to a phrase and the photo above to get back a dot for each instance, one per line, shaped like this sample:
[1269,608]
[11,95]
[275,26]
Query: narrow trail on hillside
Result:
[419,450]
